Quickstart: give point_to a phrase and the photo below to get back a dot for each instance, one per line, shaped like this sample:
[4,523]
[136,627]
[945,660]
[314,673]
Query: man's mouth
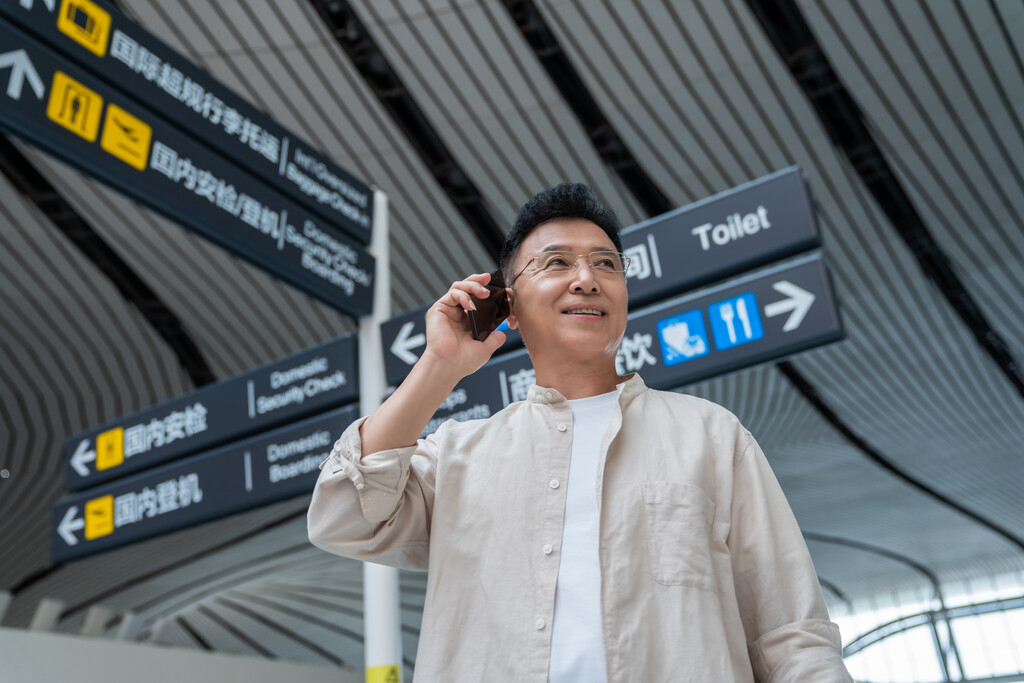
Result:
[584,311]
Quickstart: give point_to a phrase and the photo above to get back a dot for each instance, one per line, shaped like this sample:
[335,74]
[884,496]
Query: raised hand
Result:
[451,354]
[449,338]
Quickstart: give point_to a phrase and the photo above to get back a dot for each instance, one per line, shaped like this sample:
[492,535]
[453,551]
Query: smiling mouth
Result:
[584,311]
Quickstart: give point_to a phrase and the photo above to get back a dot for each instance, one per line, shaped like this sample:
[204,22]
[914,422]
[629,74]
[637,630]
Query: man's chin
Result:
[581,348]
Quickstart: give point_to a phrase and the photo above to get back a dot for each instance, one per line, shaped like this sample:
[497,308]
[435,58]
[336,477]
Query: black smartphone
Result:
[490,312]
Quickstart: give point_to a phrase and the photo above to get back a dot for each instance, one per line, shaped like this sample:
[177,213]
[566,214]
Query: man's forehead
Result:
[567,234]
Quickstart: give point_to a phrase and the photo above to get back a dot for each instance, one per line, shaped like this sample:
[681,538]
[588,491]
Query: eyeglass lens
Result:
[600,261]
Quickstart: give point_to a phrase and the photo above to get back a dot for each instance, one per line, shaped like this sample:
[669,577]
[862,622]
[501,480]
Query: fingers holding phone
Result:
[490,312]
[460,325]
[459,297]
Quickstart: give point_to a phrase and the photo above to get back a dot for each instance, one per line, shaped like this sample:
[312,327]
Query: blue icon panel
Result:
[735,321]
[683,337]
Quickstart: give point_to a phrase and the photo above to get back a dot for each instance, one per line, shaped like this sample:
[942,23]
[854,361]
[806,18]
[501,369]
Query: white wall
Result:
[27,657]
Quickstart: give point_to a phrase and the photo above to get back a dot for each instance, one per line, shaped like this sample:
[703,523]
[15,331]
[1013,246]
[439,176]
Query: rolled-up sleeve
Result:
[789,635]
[375,507]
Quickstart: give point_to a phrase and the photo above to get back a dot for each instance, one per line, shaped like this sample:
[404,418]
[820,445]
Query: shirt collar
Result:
[628,389]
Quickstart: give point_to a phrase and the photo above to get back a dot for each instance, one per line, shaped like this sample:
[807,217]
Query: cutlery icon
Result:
[727,317]
[741,313]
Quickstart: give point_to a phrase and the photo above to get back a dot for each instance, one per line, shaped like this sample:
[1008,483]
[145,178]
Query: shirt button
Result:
[540,623]
[553,483]
[549,395]
[562,427]
[547,548]
[360,487]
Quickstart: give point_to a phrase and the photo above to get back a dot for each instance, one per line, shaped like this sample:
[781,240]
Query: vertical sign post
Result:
[381,619]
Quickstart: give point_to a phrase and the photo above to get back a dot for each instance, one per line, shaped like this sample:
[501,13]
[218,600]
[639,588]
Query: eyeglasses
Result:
[561,262]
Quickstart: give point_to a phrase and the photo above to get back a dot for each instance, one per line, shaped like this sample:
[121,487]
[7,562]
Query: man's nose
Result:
[583,278]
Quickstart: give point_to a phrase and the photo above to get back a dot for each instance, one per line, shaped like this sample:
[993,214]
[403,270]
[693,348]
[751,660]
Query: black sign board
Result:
[743,228]
[304,383]
[746,227]
[270,467]
[60,108]
[98,37]
[760,317]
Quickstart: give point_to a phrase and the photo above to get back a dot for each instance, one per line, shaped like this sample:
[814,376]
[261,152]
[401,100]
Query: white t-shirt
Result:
[577,646]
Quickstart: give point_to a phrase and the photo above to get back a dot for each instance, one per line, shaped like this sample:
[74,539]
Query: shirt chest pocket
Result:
[677,520]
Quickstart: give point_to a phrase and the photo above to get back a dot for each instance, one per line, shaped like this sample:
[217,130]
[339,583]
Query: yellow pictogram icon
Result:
[74,106]
[86,23]
[99,517]
[110,448]
[126,137]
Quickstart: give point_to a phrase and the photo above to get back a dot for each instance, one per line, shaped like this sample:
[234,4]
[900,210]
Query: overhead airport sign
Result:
[254,472]
[743,228]
[98,37]
[729,233]
[60,108]
[304,383]
[757,318]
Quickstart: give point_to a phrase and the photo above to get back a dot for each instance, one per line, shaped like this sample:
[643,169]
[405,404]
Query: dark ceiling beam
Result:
[341,20]
[843,120]
[905,560]
[38,190]
[603,136]
[239,631]
[200,641]
[280,628]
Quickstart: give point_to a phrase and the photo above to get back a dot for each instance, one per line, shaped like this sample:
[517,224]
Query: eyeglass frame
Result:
[576,263]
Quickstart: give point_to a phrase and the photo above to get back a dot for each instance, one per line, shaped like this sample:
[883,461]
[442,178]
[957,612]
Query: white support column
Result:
[156,634]
[131,626]
[47,615]
[96,619]
[381,618]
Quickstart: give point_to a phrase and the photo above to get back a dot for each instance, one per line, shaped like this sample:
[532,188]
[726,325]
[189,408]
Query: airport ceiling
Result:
[899,448]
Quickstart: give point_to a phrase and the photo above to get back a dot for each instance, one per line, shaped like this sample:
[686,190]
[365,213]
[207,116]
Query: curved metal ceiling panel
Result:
[165,574]
[73,353]
[704,103]
[490,101]
[941,89]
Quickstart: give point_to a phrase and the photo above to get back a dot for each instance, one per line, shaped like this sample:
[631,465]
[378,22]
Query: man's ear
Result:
[512,320]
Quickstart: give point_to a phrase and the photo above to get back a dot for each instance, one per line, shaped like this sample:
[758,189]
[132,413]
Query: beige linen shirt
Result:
[705,576]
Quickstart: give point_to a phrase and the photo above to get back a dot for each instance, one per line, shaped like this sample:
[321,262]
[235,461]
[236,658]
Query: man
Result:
[597,531]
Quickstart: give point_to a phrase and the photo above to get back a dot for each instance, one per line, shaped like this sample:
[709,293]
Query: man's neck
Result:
[578,381]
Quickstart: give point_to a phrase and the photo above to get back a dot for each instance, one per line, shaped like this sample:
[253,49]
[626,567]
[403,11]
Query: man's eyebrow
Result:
[565,247]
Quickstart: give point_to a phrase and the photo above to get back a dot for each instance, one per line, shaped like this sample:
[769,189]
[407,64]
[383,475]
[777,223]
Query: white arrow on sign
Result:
[403,344]
[21,68]
[50,4]
[799,302]
[69,525]
[81,456]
